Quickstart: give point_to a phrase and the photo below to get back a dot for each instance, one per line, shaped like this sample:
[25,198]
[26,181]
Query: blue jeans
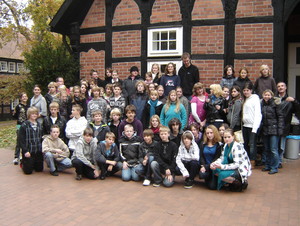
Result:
[281,149]
[146,171]
[271,149]
[157,175]
[129,173]
[250,140]
[61,165]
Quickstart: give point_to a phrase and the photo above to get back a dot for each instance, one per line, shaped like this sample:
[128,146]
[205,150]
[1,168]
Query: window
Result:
[165,42]
[20,67]
[12,67]
[163,64]
[3,65]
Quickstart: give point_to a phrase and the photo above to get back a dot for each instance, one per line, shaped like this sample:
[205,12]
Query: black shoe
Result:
[189,183]
[259,163]
[102,177]
[236,186]
[78,177]
[279,166]
[245,185]
[265,169]
[54,173]
[273,171]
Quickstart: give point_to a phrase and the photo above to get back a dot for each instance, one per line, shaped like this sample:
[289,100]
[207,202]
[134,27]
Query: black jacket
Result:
[60,121]
[188,77]
[81,102]
[99,133]
[211,112]
[272,118]
[129,149]
[146,149]
[240,82]
[146,113]
[30,139]
[100,155]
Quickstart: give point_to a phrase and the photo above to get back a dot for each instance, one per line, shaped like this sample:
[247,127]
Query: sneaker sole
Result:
[156,185]
[188,187]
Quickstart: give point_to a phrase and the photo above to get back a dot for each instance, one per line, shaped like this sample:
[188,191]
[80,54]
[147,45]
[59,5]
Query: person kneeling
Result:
[107,156]
[233,167]
[82,158]
[55,151]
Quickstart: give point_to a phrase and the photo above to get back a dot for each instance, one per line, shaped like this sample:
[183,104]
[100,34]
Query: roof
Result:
[71,11]
[11,51]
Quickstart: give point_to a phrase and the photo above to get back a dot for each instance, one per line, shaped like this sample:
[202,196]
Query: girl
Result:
[170,80]
[148,78]
[51,95]
[243,78]
[234,109]
[228,77]
[151,87]
[233,167]
[20,114]
[214,106]
[251,115]
[210,151]
[152,107]
[173,109]
[64,100]
[108,92]
[162,97]
[140,98]
[222,129]
[108,75]
[198,114]
[77,98]
[154,126]
[195,129]
[272,128]
[156,74]
[265,81]
[175,130]
[84,92]
[39,102]
[185,102]
[91,86]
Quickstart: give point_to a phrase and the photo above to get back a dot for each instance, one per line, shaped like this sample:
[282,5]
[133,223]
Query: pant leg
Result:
[63,164]
[253,143]
[126,174]
[116,168]
[78,166]
[103,167]
[167,183]
[148,172]
[281,149]
[157,178]
[193,168]
[88,172]
[274,153]
[246,135]
[48,156]
[27,164]
[134,175]
[140,169]
[18,146]
[39,161]
[267,151]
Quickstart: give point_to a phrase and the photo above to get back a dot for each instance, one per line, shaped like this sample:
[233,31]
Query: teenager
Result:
[228,78]
[170,80]
[265,81]
[152,107]
[243,78]
[39,102]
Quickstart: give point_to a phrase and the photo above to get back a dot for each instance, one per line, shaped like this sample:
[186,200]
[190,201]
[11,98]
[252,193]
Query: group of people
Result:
[157,126]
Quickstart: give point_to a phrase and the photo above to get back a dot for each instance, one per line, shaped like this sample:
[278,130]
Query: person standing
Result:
[128,86]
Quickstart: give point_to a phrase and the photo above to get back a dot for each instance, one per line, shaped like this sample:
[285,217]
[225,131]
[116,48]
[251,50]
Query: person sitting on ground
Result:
[99,128]
[56,152]
[130,112]
[195,129]
[187,159]
[107,156]
[82,158]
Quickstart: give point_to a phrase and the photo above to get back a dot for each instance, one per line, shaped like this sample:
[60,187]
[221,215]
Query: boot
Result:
[252,164]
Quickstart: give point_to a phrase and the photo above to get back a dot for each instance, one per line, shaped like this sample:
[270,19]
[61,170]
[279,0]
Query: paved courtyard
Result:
[41,199]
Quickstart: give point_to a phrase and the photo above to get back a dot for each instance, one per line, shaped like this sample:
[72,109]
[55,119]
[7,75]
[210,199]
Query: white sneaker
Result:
[16,161]
[146,182]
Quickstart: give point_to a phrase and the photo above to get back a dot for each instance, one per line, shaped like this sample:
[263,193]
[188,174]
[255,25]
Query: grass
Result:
[7,134]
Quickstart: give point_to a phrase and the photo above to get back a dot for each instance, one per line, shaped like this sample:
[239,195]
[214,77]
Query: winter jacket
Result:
[165,117]
[128,86]
[129,149]
[101,154]
[99,133]
[240,82]
[49,145]
[60,121]
[96,104]
[251,113]
[146,150]
[262,83]
[234,113]
[272,117]
[20,113]
[146,113]
[74,130]
[139,100]
[211,111]
[188,77]
[227,81]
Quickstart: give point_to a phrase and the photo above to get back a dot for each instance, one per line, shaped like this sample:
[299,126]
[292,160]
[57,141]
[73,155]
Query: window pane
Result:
[155,35]
[172,35]
[164,35]
[172,45]
[155,46]
[164,46]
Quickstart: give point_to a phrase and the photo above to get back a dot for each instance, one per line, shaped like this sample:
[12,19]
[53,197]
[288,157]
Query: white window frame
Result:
[14,65]
[178,64]
[19,67]
[157,53]
[3,63]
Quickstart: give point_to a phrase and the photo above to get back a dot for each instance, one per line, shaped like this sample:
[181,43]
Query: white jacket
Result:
[74,130]
[252,113]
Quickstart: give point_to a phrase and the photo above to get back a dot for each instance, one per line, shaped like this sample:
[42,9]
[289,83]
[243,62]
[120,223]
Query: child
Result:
[108,92]
[152,107]
[170,80]
[154,126]
[148,78]
[99,128]
[156,74]
[82,158]
[107,156]
[77,98]
[234,109]
[55,119]
[185,102]
[56,152]
[265,81]
[114,123]
[39,102]
[64,100]
[52,94]
[228,77]
[176,131]
[75,127]
[173,109]
[130,112]
[221,129]
[146,156]
[31,142]
[117,100]
[115,78]
[97,103]
[151,87]
[129,151]
[242,79]
[162,97]
[20,115]
[164,160]
[195,129]
[140,98]
[187,159]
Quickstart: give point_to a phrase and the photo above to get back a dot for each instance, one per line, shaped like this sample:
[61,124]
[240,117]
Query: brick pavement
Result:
[41,199]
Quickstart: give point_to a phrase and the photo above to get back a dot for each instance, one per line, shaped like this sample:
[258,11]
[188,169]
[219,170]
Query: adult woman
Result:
[198,114]
[233,167]
[173,109]
[39,102]
[210,150]
[234,109]
[272,128]
[251,121]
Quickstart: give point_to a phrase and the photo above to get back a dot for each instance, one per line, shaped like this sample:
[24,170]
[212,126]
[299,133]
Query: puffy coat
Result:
[211,112]
[272,117]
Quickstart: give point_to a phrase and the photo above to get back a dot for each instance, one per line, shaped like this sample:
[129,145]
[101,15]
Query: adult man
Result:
[60,82]
[128,86]
[99,82]
[189,75]
[289,106]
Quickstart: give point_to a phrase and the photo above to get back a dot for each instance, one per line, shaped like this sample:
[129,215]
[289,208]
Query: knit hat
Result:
[134,68]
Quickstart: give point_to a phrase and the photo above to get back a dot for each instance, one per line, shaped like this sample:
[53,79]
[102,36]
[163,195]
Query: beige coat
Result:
[50,145]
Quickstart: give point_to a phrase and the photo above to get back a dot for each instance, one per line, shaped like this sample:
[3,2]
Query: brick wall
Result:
[123,68]
[92,60]
[208,9]
[126,44]
[254,38]
[165,10]
[92,38]
[127,12]
[95,16]
[208,40]
[247,8]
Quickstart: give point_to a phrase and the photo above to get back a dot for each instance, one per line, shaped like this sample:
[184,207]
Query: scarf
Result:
[155,130]
[153,104]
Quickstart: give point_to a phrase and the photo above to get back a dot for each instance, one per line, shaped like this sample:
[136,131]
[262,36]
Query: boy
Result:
[55,151]
[146,156]
[117,100]
[129,151]
[31,143]
[82,158]
[115,115]
[164,159]
[75,127]
[100,129]
[107,156]
[130,112]
[97,103]
[187,159]
[55,119]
